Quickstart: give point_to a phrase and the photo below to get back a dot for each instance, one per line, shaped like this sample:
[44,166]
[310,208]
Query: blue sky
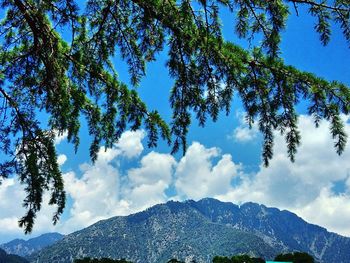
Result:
[222,161]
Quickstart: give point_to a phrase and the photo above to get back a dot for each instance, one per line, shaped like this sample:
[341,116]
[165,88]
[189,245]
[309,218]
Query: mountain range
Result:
[26,247]
[199,230]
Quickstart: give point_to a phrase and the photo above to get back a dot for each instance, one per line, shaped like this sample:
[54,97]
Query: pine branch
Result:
[322,5]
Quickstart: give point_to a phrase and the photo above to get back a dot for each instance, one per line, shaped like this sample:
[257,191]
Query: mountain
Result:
[199,230]
[24,248]
[6,258]
[283,230]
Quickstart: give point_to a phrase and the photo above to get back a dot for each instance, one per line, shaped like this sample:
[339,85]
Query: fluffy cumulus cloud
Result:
[198,176]
[243,133]
[103,190]
[329,209]
[96,194]
[130,143]
[306,187]
[150,180]
[11,193]
[10,190]
[61,159]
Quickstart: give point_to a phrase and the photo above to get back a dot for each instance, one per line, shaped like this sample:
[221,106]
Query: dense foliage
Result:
[44,76]
[238,259]
[173,260]
[296,257]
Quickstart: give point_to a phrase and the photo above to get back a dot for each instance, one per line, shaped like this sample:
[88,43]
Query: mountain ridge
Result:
[24,248]
[10,258]
[199,230]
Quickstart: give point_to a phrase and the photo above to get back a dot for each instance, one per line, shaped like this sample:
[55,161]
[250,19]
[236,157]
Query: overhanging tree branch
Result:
[41,71]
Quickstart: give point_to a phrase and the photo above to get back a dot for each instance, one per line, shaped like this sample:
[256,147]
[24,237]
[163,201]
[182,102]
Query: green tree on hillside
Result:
[44,76]
[296,257]
[237,259]
[173,260]
[241,259]
[220,259]
[258,260]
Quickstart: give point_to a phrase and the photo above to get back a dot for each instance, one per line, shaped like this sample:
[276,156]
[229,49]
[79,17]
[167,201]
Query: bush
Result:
[296,257]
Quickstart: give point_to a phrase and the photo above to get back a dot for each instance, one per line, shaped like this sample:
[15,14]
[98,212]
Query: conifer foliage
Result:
[65,79]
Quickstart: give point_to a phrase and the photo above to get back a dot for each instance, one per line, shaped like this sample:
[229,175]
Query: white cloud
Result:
[150,180]
[328,209]
[61,159]
[145,195]
[9,224]
[130,143]
[102,191]
[197,177]
[11,210]
[154,167]
[60,137]
[243,133]
[95,194]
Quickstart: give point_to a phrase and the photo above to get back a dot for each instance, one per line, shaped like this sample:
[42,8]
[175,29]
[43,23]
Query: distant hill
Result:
[199,230]
[24,248]
[6,258]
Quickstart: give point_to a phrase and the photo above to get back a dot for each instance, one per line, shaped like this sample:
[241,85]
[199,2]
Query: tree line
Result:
[296,257]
